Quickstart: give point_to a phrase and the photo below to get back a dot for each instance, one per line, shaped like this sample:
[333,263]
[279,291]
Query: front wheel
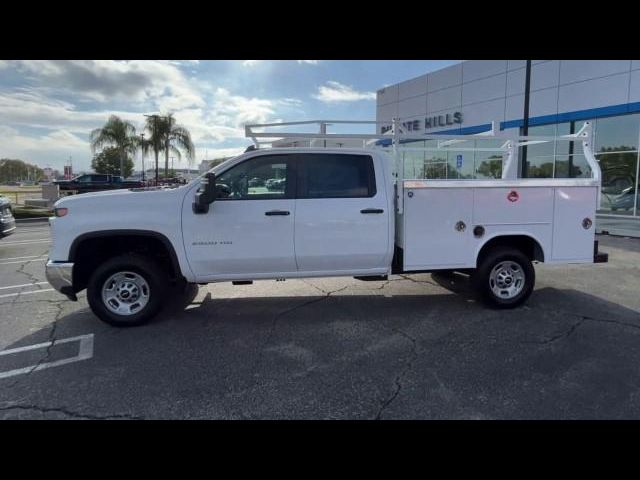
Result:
[126,290]
[505,278]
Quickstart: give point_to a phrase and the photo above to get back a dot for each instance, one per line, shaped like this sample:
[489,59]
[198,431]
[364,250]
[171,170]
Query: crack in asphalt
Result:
[71,413]
[286,312]
[399,378]
[52,339]
[561,336]
[32,278]
[574,327]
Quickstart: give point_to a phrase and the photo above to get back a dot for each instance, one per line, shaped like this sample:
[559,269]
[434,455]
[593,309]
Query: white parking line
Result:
[6,295]
[26,242]
[23,285]
[18,258]
[19,261]
[85,352]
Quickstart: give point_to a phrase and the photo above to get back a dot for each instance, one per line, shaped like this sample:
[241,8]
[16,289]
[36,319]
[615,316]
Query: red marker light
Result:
[513,196]
[60,212]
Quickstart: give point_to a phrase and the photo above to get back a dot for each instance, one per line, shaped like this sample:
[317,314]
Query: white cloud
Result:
[237,110]
[310,62]
[334,92]
[49,120]
[106,80]
[53,149]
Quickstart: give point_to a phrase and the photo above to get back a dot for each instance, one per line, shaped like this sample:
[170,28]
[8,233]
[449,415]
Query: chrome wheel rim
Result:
[125,293]
[507,279]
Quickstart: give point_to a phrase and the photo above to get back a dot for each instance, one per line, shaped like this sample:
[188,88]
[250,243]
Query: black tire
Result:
[482,282]
[153,275]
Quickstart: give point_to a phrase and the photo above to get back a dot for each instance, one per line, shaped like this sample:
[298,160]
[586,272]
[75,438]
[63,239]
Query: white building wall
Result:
[493,90]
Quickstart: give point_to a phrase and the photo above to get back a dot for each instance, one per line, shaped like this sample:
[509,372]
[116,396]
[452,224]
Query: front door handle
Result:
[276,212]
[372,210]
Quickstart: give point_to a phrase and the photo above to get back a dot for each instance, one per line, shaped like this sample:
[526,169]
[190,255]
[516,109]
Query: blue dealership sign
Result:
[459,161]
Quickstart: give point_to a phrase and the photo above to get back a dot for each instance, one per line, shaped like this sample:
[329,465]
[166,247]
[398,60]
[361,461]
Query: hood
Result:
[122,196]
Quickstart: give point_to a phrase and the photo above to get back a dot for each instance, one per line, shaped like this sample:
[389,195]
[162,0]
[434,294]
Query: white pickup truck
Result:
[324,212]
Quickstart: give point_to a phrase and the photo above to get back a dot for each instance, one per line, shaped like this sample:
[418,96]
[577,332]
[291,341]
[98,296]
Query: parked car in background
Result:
[625,200]
[95,182]
[7,222]
[256,182]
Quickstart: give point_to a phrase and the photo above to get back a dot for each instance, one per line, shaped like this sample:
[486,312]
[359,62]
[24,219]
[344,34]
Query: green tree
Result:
[155,127]
[118,134]
[14,170]
[176,138]
[491,167]
[166,135]
[108,161]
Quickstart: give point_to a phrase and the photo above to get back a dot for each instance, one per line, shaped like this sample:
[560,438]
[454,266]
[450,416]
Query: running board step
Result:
[373,278]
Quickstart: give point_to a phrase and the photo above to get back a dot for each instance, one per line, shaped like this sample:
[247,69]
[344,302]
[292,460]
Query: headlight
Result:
[60,211]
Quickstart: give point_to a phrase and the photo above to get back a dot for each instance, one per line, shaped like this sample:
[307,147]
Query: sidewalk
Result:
[622,226]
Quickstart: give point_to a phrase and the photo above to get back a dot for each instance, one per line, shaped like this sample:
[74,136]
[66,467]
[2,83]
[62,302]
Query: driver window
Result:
[261,178]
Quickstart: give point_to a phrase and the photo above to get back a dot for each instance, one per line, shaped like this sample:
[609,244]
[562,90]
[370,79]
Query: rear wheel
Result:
[505,278]
[127,290]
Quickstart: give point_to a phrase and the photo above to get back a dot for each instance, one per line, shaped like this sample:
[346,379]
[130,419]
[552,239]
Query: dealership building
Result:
[467,97]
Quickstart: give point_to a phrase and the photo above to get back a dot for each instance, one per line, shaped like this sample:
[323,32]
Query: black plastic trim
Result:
[114,233]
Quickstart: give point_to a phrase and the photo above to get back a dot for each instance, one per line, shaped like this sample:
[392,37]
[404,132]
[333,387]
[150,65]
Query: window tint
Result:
[338,176]
[261,178]
[100,178]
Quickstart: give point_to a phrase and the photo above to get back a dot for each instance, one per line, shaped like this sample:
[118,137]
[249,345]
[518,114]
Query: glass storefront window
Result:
[460,165]
[572,166]
[618,179]
[542,149]
[488,165]
[617,134]
[540,167]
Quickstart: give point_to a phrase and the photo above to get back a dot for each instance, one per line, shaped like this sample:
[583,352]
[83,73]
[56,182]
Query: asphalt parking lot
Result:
[412,347]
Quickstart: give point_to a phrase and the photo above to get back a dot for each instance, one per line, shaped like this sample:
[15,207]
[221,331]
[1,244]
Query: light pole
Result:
[525,123]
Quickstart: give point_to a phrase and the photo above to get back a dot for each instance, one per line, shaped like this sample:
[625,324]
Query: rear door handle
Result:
[372,210]
[276,212]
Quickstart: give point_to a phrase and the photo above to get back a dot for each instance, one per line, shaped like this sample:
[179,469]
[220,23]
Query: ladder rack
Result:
[397,137]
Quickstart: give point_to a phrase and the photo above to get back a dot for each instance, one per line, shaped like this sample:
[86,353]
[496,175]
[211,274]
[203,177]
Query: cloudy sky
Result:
[48,108]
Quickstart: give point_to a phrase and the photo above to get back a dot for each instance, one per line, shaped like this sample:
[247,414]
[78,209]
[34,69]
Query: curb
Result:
[32,220]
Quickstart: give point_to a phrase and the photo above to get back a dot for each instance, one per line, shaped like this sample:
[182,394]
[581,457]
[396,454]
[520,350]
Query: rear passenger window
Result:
[337,176]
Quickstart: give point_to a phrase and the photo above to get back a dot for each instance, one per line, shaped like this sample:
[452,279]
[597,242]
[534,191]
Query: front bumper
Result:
[7,225]
[60,276]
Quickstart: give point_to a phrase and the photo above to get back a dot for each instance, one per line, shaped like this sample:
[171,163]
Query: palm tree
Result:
[117,133]
[155,125]
[176,138]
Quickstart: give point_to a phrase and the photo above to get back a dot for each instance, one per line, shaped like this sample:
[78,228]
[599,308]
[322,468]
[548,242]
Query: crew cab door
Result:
[342,218]
[248,230]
